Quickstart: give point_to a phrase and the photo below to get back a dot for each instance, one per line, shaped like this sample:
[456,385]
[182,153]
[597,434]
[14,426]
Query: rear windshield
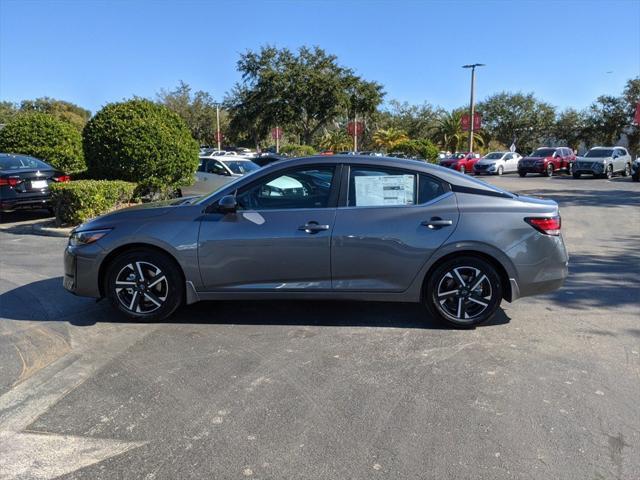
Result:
[543,152]
[599,153]
[21,163]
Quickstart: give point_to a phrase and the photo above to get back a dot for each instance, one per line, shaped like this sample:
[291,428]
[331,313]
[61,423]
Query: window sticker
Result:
[384,190]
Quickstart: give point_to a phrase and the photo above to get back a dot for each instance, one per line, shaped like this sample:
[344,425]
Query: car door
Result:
[508,162]
[619,160]
[278,239]
[389,223]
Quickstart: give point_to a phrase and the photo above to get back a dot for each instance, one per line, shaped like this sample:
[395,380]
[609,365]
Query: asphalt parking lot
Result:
[549,389]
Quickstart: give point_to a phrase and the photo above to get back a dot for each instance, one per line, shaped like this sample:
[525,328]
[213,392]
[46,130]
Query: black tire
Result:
[500,170]
[548,172]
[627,170]
[522,173]
[152,299]
[570,168]
[576,175]
[609,172]
[462,305]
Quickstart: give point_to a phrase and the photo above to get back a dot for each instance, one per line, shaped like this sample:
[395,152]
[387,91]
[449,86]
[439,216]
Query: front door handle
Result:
[436,222]
[313,227]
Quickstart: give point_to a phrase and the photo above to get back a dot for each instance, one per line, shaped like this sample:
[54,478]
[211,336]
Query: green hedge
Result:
[45,137]
[421,148]
[140,141]
[78,201]
[298,150]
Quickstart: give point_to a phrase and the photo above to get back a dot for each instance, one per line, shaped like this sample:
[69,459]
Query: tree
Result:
[419,148]
[304,90]
[140,141]
[387,139]
[198,110]
[8,111]
[448,131]
[417,120]
[570,128]
[631,95]
[60,109]
[45,137]
[506,116]
[336,140]
[607,120]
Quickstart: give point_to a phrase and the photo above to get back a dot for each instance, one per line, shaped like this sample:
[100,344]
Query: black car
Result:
[24,182]
[263,160]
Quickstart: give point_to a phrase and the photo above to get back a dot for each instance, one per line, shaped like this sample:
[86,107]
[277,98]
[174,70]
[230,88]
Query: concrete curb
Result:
[36,227]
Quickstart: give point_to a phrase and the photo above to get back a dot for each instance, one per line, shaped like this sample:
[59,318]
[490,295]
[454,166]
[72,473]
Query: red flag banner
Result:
[637,116]
[477,122]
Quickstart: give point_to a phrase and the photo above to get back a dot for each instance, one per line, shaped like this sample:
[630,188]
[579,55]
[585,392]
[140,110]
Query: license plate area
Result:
[38,184]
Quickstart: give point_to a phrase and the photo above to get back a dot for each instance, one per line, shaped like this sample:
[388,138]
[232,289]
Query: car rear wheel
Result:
[549,171]
[627,170]
[145,285]
[464,291]
[522,173]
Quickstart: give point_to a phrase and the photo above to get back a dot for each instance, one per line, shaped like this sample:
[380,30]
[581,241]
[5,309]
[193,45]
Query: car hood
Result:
[488,161]
[142,211]
[593,159]
[538,159]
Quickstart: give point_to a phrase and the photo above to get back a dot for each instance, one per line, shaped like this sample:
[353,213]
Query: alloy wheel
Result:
[464,293]
[609,173]
[141,287]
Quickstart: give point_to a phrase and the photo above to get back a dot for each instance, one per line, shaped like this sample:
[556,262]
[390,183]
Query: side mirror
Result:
[227,204]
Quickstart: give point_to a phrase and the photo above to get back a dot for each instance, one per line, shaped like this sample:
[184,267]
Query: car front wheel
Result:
[500,170]
[576,175]
[522,173]
[609,172]
[549,171]
[144,284]
[464,291]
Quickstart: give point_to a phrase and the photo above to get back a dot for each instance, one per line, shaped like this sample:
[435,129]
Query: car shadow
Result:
[591,198]
[46,300]
[24,215]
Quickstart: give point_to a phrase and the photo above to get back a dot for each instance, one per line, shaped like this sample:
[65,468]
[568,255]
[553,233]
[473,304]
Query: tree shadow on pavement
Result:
[589,198]
[46,300]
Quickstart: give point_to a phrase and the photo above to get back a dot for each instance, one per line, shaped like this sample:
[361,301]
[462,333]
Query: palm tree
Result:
[449,134]
[388,138]
[336,140]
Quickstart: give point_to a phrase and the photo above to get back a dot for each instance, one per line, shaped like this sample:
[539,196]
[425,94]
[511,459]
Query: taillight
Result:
[546,225]
[62,178]
[12,182]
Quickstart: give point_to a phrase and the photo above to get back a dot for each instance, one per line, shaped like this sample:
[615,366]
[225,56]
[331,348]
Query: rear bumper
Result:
[28,203]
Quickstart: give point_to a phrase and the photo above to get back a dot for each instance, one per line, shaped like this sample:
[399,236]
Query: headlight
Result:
[87,236]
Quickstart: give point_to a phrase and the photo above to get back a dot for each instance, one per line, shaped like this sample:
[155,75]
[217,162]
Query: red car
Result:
[462,162]
[547,161]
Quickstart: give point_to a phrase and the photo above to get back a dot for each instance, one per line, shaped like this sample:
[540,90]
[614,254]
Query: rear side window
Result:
[376,187]
[429,188]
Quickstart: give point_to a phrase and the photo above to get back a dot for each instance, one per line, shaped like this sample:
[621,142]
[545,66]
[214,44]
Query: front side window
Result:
[307,187]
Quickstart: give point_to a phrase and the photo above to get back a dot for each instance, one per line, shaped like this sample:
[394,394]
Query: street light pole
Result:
[472,101]
[218,125]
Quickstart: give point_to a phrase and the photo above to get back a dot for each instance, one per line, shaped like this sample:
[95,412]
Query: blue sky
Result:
[93,52]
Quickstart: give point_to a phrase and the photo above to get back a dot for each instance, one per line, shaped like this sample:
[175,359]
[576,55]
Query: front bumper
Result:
[81,270]
[534,168]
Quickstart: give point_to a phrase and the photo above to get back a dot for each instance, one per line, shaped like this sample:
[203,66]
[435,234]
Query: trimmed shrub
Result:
[140,141]
[298,150]
[421,148]
[78,201]
[45,137]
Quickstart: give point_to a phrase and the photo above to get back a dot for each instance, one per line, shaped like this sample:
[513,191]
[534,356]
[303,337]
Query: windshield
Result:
[494,156]
[240,167]
[543,152]
[19,163]
[599,153]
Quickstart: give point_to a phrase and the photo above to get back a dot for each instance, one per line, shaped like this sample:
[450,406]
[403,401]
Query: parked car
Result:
[24,182]
[497,163]
[340,227]
[547,161]
[213,172]
[604,162]
[635,170]
[462,162]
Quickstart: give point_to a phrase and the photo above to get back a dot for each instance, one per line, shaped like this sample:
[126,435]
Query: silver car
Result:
[342,227]
[213,172]
[603,162]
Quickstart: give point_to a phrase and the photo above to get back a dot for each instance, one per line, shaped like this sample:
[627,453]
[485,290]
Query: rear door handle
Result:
[313,227]
[436,222]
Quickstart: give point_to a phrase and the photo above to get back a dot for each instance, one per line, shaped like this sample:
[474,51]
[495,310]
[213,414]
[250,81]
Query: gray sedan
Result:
[343,227]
